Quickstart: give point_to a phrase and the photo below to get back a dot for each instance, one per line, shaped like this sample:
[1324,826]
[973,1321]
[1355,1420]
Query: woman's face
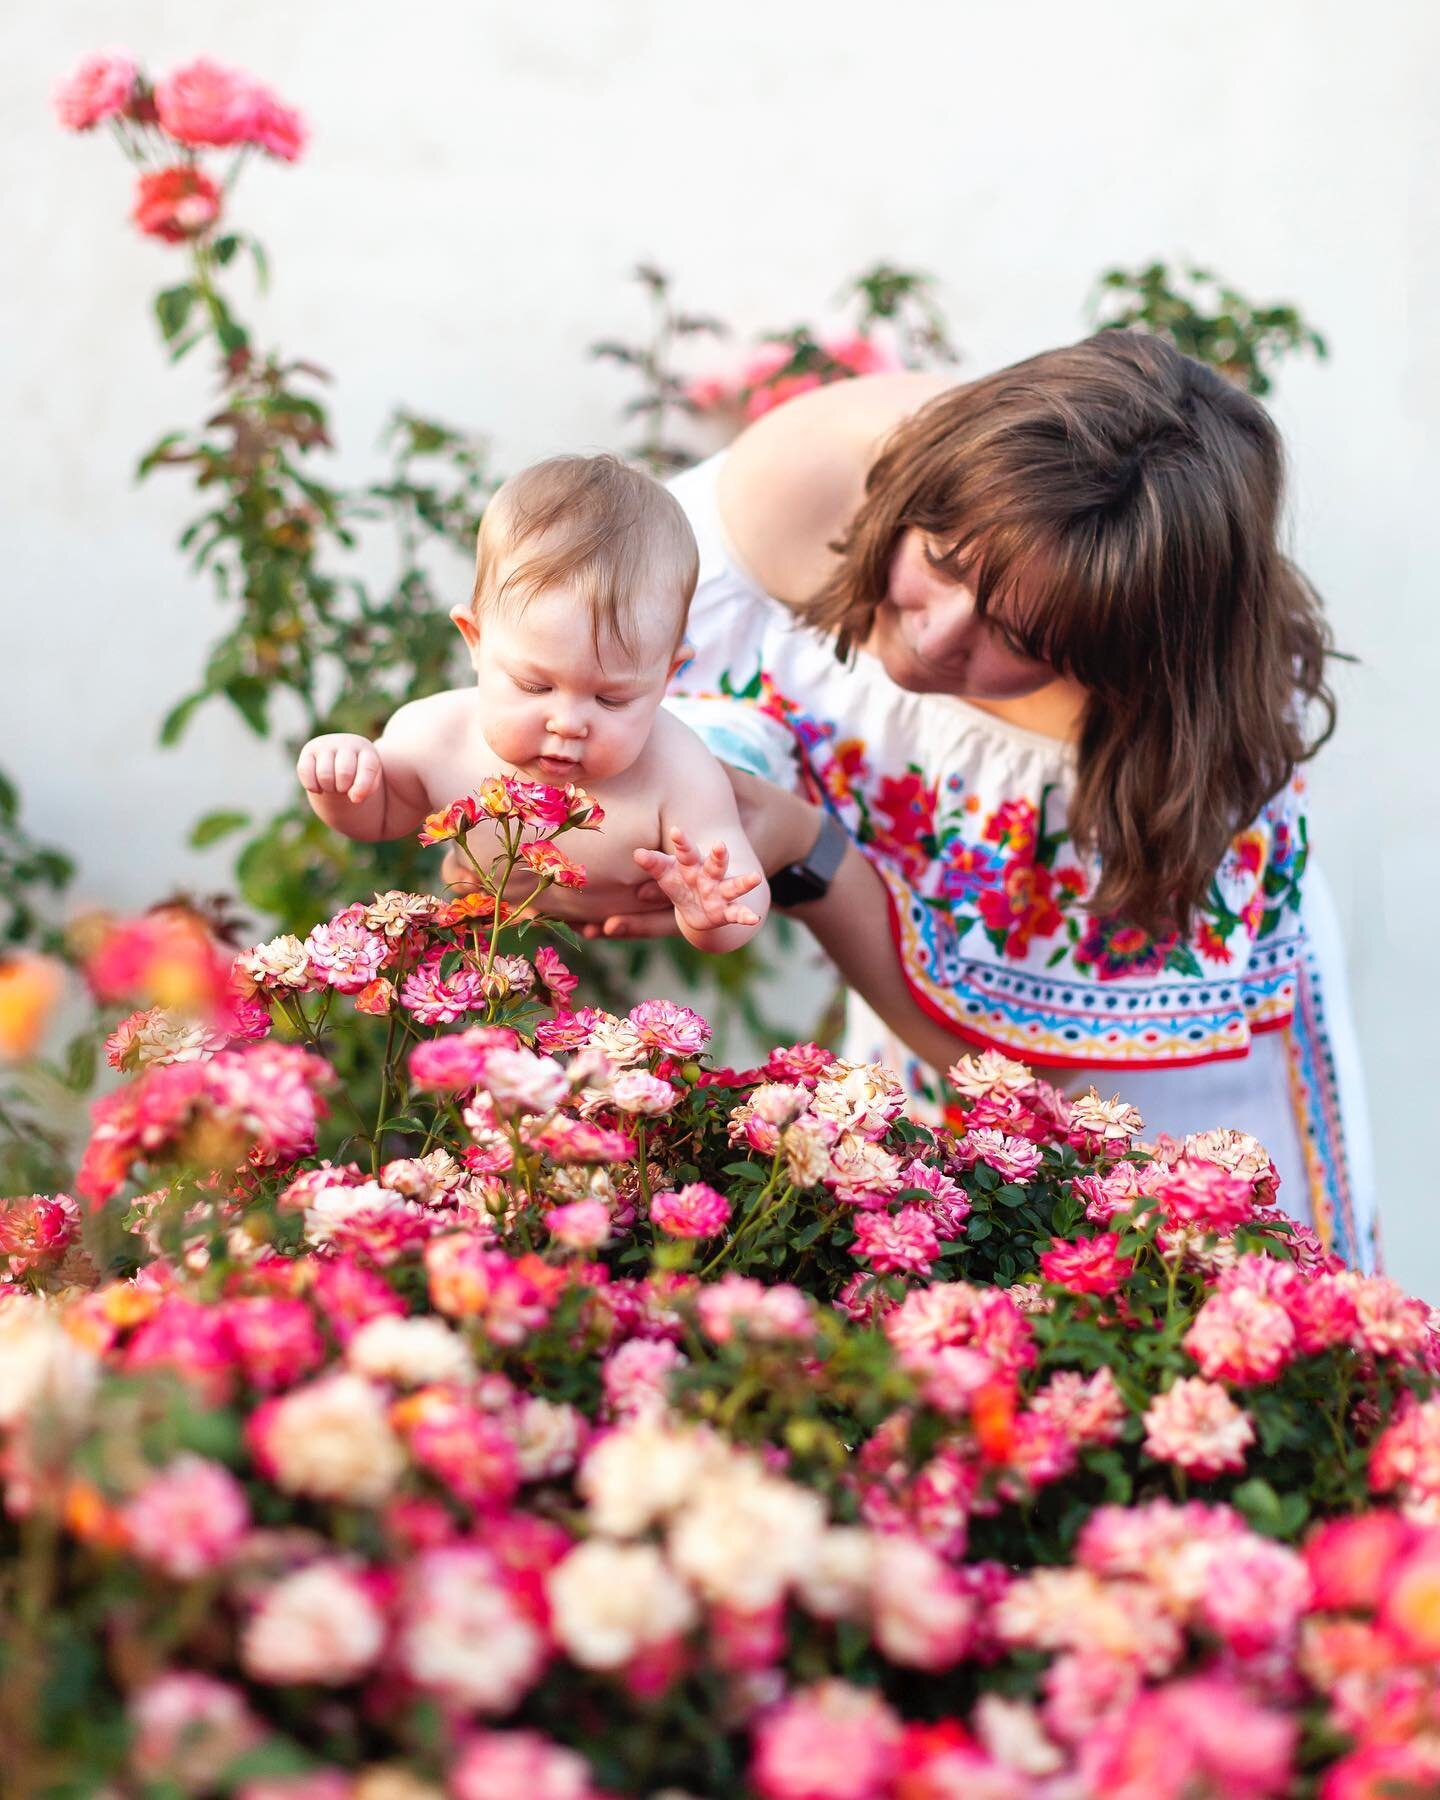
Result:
[930,639]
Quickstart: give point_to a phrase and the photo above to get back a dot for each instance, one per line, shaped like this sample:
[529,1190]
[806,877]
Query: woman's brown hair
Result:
[1137,496]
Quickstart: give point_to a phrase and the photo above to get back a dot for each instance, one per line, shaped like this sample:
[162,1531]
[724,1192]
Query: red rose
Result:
[175,203]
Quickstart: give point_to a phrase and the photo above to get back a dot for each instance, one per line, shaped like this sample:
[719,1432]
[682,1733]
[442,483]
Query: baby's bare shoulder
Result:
[438,717]
[682,766]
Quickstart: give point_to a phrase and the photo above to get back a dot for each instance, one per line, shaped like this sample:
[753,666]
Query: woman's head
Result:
[1108,512]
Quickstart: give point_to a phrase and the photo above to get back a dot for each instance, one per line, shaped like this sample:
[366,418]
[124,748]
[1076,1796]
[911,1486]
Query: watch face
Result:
[797,884]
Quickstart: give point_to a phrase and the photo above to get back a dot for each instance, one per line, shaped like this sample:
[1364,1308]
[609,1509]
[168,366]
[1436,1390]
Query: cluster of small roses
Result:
[1371,1645]
[260,1101]
[199,106]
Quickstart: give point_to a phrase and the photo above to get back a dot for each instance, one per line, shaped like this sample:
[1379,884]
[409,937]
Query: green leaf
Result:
[232,337]
[172,309]
[173,725]
[80,1062]
[225,247]
[214,826]
[248,696]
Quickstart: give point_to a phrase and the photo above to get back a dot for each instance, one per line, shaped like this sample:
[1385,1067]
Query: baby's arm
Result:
[700,823]
[370,791]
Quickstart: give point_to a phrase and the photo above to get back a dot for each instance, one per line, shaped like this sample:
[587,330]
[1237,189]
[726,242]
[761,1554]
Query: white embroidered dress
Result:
[964,817]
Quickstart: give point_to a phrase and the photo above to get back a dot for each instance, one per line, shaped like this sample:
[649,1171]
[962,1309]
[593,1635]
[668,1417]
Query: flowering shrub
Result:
[595,1421]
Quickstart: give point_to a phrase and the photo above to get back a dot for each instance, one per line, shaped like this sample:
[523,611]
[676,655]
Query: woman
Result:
[1033,645]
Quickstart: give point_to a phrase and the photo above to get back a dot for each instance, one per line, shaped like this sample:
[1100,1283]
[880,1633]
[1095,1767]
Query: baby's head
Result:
[584,570]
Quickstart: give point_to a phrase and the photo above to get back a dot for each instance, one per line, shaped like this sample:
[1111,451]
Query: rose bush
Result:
[594,1421]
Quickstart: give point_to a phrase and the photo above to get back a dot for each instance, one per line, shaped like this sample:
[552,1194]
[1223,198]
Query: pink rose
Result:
[696,1211]
[100,88]
[204,103]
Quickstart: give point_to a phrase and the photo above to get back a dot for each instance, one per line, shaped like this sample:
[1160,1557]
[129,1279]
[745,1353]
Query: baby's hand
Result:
[340,762]
[703,895]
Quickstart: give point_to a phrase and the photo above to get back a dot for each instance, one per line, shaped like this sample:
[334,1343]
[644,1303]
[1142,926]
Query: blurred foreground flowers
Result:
[587,1420]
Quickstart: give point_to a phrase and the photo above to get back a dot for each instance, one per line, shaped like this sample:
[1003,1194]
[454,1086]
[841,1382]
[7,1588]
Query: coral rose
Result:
[175,203]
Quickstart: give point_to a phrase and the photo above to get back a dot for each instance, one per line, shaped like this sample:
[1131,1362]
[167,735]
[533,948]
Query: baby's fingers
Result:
[685,852]
[741,915]
[717,861]
[655,863]
[321,769]
[368,773]
[346,763]
[736,885]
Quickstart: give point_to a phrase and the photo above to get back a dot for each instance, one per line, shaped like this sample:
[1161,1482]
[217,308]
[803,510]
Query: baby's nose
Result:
[566,723]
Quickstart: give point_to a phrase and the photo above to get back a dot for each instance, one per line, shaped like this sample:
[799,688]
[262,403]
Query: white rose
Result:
[410,1352]
[42,1368]
[747,1537]
[641,1474]
[609,1601]
[332,1440]
[316,1625]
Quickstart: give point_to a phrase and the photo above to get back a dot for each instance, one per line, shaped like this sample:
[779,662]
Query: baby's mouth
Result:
[562,766]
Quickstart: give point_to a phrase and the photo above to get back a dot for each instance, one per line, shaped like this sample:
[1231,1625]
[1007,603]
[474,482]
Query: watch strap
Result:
[810,878]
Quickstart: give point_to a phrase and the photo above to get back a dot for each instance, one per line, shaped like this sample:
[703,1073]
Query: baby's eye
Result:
[529,687]
[611,705]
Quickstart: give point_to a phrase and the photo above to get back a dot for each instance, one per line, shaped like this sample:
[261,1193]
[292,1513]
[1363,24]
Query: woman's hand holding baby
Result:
[705,897]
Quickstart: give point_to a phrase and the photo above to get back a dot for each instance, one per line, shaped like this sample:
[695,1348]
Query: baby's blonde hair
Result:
[592,523]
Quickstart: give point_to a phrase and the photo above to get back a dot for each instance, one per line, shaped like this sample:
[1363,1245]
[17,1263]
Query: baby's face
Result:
[556,708]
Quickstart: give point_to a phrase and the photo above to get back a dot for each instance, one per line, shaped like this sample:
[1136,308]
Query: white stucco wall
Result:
[484,172]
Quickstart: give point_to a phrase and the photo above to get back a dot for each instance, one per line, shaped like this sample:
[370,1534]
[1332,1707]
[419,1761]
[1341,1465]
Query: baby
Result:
[584,573]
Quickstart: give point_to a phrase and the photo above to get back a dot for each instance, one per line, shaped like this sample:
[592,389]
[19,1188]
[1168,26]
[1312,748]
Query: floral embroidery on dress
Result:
[989,899]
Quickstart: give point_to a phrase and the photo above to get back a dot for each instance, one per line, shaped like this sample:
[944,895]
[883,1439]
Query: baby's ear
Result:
[464,621]
[683,654]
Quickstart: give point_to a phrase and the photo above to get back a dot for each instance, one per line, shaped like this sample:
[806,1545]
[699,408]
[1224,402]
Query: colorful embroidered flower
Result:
[1020,908]
[762,1314]
[1115,950]
[638,1092]
[636,1377]
[329,1440]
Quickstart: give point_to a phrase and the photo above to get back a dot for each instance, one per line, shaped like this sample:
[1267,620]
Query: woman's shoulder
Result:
[791,481]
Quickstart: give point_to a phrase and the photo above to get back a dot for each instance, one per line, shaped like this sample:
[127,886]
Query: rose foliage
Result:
[595,1421]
